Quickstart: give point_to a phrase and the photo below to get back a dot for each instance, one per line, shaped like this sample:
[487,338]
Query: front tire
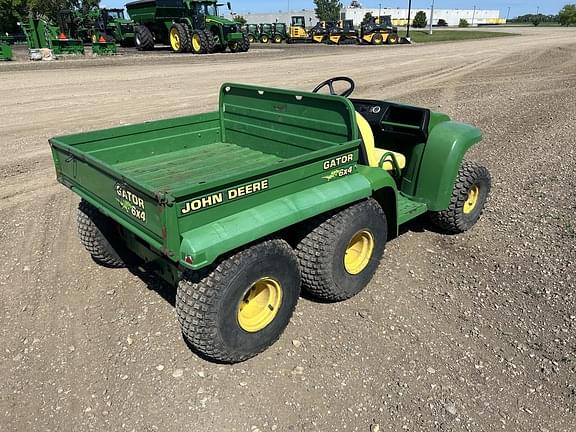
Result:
[240,307]
[469,197]
[97,234]
[340,252]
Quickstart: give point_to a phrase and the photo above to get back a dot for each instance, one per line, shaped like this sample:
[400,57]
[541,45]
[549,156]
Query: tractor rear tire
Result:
[179,38]
[277,39]
[144,39]
[236,309]
[378,39]
[392,39]
[469,196]
[97,234]
[340,252]
[264,39]
[199,42]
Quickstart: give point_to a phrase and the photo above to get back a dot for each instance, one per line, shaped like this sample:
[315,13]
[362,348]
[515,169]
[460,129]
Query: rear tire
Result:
[392,39]
[264,39]
[179,38]
[378,39]
[469,196]
[210,42]
[238,308]
[97,234]
[144,39]
[340,252]
[199,42]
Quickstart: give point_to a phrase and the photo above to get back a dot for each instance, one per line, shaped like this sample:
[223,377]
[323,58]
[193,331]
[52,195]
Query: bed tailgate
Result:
[139,210]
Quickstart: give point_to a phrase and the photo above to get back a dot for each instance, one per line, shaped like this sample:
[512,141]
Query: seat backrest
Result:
[368,138]
[284,122]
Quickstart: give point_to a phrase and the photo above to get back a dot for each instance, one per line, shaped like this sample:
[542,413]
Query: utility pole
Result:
[508,14]
[431,16]
[409,11]
[473,16]
[537,10]
[379,10]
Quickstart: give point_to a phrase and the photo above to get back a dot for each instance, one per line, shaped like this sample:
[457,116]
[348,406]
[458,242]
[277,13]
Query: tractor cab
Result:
[298,29]
[113,14]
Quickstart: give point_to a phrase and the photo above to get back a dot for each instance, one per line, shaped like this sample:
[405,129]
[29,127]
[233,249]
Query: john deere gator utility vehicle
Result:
[379,30]
[276,191]
[185,25]
[113,25]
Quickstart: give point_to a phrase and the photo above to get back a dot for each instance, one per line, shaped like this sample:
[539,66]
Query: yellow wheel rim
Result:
[259,305]
[359,252]
[472,200]
[175,39]
[196,42]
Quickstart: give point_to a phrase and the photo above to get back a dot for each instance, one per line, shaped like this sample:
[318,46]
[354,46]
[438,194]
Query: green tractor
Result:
[252,31]
[279,32]
[114,27]
[275,191]
[186,25]
[265,33]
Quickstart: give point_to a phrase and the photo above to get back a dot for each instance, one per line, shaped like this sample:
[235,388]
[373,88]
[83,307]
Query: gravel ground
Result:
[455,333]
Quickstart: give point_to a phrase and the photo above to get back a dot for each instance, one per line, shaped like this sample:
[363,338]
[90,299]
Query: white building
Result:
[399,16]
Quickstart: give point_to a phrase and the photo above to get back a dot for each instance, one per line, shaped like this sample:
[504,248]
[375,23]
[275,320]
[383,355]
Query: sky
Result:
[517,7]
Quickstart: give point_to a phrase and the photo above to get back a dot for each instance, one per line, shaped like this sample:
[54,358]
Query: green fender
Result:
[202,246]
[447,144]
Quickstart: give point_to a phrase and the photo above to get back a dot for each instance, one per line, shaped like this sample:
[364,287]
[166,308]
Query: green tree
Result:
[367,17]
[9,12]
[420,20]
[240,19]
[328,10]
[463,23]
[567,15]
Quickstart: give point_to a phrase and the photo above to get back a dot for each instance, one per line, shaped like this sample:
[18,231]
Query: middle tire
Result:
[340,252]
[240,307]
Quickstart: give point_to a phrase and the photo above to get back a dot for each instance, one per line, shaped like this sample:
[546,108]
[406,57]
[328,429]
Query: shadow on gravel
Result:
[421,224]
[155,283]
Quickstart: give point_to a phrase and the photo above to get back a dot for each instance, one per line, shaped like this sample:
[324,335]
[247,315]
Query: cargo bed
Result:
[165,178]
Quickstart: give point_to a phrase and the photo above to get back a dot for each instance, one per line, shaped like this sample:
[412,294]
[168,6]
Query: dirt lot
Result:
[473,332]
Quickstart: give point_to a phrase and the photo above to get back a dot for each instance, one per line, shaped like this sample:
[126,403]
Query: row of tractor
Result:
[373,31]
[185,25]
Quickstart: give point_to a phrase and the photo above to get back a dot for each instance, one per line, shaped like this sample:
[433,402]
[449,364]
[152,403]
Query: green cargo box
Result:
[163,180]
[5,52]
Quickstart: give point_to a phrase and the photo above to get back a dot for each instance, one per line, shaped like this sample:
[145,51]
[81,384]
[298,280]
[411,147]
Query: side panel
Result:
[204,244]
[447,144]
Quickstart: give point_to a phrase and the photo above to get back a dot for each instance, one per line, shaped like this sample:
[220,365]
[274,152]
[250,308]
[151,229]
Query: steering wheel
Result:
[330,84]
